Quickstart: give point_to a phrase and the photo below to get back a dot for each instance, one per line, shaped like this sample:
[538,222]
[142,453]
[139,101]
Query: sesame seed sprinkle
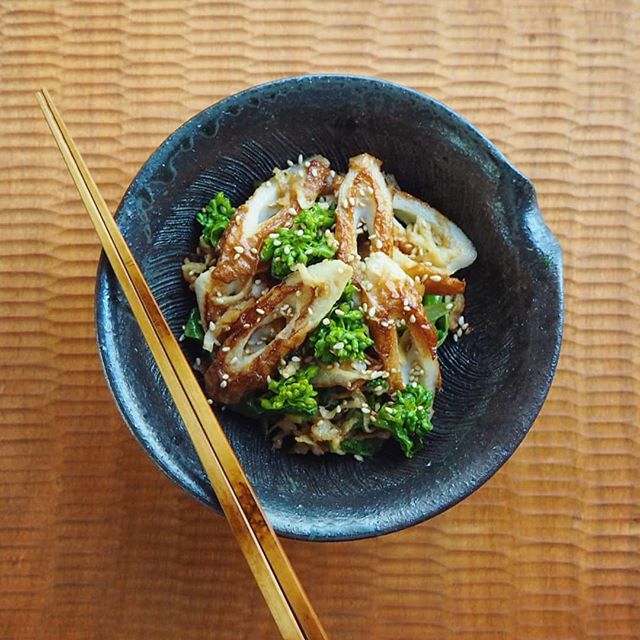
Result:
[226,349]
[223,384]
[435,277]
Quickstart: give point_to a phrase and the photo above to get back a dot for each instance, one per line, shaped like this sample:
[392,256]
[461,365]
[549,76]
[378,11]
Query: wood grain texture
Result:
[95,543]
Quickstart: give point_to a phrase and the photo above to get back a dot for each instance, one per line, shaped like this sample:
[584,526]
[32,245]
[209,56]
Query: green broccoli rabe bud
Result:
[437,312]
[304,243]
[408,417]
[365,448]
[341,336]
[215,217]
[315,218]
[193,329]
[292,395]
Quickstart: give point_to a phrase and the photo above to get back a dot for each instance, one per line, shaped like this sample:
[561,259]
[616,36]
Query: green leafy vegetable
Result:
[365,448]
[342,334]
[292,395]
[408,417]
[193,329]
[304,243]
[215,217]
[436,309]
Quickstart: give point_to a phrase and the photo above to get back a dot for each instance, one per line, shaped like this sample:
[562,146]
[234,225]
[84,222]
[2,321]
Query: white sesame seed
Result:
[435,277]
[277,243]
[310,311]
[325,321]
[461,321]
[212,326]
[234,359]
[300,159]
[459,333]
[246,325]
[307,164]
[295,358]
[365,409]
[338,345]
[314,171]
[289,163]
[225,349]
[225,376]
[299,232]
[455,337]
[223,384]
[239,249]
[332,173]
[258,281]
[273,236]
[412,319]
[448,306]
[365,306]
[352,201]
[338,409]
[406,308]
[339,313]
[287,250]
[260,311]
[254,251]
[181,338]
[378,244]
[372,312]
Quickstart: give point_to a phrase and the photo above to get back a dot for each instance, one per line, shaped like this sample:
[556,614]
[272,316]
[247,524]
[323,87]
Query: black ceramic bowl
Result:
[494,380]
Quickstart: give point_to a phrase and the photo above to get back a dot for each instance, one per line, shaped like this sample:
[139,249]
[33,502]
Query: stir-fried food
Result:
[321,304]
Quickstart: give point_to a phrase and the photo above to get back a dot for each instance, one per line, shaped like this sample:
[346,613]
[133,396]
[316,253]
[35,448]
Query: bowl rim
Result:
[531,217]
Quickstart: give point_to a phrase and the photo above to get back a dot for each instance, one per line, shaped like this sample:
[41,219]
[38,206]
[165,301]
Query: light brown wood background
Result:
[96,543]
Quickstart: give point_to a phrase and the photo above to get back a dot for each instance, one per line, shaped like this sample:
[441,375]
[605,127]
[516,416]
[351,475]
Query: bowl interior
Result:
[494,380]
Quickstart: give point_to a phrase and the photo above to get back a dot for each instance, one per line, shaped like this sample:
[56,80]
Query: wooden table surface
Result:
[96,543]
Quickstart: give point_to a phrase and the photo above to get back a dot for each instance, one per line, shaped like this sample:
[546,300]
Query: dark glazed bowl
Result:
[494,380]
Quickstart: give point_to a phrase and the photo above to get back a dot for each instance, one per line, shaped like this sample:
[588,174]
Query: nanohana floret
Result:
[408,417]
[294,395]
[343,334]
[215,217]
[304,243]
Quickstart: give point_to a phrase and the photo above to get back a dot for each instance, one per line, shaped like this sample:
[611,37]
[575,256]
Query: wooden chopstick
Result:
[267,560]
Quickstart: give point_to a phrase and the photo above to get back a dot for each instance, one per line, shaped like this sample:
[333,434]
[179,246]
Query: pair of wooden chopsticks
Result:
[280,587]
